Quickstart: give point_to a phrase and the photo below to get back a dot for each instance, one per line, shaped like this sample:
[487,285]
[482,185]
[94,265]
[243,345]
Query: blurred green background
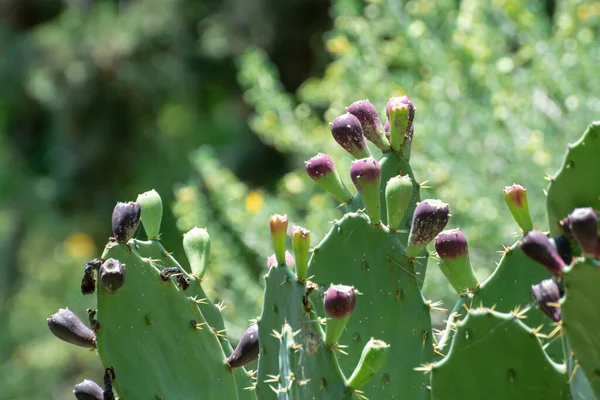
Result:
[216,104]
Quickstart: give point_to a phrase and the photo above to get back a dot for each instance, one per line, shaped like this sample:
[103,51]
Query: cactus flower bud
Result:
[538,247]
[366,176]
[515,197]
[289,260]
[152,209]
[125,221]
[398,192]
[547,295]
[66,326]
[321,169]
[373,356]
[88,390]
[246,350]
[369,119]
[339,302]
[429,219]
[196,244]
[279,224]
[563,248]
[401,113]
[301,245]
[112,275]
[346,130]
[451,246]
[583,224]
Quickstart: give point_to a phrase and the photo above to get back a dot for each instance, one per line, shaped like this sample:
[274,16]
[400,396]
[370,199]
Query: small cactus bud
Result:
[366,176]
[125,221]
[429,219]
[538,247]
[321,169]
[515,197]
[369,119]
[88,390]
[583,224]
[339,302]
[279,224]
[246,350]
[301,245]
[373,356]
[563,248]
[196,244]
[112,275]
[346,130]
[152,209]
[547,295]
[398,192]
[401,113]
[451,246]
[66,326]
[289,260]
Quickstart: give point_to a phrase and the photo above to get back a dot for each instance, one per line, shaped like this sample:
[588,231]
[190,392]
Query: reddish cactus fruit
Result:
[429,219]
[547,295]
[347,131]
[339,301]
[321,169]
[366,176]
[583,224]
[451,246]
[539,248]
[515,197]
[125,221]
[369,119]
[246,350]
[66,326]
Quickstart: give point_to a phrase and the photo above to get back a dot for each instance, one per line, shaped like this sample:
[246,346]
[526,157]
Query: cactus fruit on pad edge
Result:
[160,337]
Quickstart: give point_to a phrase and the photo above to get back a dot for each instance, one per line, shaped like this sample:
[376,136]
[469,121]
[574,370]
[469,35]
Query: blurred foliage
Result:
[102,100]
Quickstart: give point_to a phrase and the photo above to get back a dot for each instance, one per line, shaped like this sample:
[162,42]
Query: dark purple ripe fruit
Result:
[246,350]
[125,220]
[339,301]
[66,326]
[112,275]
[347,131]
[547,295]
[88,390]
[429,219]
[539,248]
[369,119]
[583,224]
[563,248]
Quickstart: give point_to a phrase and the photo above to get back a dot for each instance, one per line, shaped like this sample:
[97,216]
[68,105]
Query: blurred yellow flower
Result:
[254,202]
[80,246]
[338,45]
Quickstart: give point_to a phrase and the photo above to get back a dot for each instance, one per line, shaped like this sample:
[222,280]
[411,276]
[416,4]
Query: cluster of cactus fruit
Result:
[526,332]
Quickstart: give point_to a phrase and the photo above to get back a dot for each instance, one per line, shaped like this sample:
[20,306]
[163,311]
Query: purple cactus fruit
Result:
[515,197]
[347,131]
[565,225]
[88,390]
[125,220]
[289,260]
[583,224]
[321,169]
[366,176]
[547,295]
[429,219]
[563,248]
[539,248]
[451,246]
[369,119]
[112,275]
[401,113]
[339,301]
[386,128]
[246,350]
[66,326]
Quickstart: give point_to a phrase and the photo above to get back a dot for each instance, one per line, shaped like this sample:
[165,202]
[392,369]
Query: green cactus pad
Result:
[391,307]
[581,315]
[495,356]
[287,302]
[576,184]
[147,325]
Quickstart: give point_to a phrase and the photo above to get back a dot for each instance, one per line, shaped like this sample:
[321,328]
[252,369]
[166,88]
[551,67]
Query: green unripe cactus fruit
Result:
[196,244]
[451,246]
[152,209]
[321,169]
[372,358]
[366,176]
[301,245]
[278,225]
[515,197]
[398,192]
[401,113]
